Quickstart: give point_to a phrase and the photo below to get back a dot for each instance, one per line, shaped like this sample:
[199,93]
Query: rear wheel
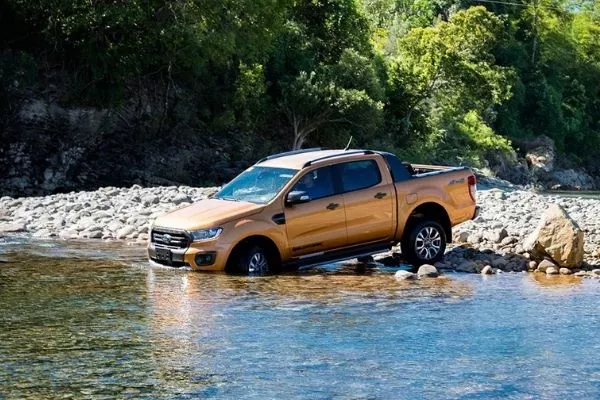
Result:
[424,243]
[252,260]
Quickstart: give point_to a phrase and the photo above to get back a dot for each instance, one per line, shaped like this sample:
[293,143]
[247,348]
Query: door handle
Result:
[332,206]
[380,195]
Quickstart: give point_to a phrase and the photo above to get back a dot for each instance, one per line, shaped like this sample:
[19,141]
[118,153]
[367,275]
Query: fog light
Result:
[205,258]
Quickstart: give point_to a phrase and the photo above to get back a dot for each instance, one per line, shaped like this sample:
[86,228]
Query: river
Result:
[96,321]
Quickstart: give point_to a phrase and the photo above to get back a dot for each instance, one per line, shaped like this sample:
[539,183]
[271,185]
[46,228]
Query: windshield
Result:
[256,184]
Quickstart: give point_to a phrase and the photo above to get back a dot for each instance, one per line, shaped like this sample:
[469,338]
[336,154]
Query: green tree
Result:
[347,93]
[450,66]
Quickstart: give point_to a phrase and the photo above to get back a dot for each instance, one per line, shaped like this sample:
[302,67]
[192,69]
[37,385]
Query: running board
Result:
[338,255]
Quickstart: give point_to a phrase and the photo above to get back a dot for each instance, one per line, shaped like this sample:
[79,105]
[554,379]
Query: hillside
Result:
[192,91]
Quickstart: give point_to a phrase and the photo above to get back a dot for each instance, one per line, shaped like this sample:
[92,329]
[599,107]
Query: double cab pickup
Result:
[315,206]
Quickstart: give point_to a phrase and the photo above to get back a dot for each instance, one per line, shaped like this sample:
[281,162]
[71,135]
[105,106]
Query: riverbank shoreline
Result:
[509,214]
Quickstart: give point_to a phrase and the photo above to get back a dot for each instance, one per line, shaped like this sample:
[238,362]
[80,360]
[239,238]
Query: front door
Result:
[320,224]
[369,202]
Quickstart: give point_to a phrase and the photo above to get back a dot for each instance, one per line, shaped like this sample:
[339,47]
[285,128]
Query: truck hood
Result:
[207,214]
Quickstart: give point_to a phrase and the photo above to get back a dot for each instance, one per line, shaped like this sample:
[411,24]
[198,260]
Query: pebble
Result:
[403,275]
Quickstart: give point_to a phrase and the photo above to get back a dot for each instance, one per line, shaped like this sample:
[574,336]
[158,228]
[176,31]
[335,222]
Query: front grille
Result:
[174,264]
[170,238]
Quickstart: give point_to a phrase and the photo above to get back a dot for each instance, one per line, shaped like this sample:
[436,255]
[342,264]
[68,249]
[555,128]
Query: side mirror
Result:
[297,197]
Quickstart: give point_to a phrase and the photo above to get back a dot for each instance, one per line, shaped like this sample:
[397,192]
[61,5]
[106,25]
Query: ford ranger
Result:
[314,206]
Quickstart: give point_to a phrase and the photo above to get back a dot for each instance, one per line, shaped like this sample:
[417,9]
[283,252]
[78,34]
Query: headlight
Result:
[205,234]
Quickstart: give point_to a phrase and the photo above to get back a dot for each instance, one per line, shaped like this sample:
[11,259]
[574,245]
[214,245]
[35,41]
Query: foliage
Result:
[435,80]
[347,93]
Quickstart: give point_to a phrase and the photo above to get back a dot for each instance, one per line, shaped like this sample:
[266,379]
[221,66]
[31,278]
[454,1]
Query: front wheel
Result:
[252,260]
[424,243]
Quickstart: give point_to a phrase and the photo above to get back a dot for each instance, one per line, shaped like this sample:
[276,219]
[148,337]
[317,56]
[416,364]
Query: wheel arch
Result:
[259,240]
[430,211]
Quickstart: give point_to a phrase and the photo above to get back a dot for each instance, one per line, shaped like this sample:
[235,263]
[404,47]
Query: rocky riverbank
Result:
[107,213]
[496,239]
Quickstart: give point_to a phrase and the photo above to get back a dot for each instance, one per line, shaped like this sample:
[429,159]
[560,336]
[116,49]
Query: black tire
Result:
[424,243]
[252,260]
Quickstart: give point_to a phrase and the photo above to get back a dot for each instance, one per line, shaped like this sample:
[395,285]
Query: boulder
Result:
[496,235]
[68,234]
[427,270]
[461,237]
[150,199]
[467,266]
[125,231]
[552,271]
[532,265]
[475,238]
[557,237]
[12,228]
[544,265]
[540,155]
[487,270]
[565,271]
[181,198]
[402,275]
[570,179]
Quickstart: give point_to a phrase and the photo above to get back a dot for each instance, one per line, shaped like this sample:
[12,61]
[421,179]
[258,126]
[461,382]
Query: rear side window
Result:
[357,175]
[397,168]
[317,183]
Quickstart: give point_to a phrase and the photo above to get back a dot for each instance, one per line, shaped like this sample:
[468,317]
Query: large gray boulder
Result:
[557,237]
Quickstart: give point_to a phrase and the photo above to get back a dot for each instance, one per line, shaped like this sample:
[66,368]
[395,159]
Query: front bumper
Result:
[199,256]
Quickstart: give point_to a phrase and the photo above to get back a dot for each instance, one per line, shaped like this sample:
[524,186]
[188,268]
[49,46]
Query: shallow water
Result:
[86,321]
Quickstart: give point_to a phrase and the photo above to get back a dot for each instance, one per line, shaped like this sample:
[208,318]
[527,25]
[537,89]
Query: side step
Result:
[339,255]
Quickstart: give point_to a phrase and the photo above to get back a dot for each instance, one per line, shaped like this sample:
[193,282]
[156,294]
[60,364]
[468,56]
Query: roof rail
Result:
[288,153]
[345,153]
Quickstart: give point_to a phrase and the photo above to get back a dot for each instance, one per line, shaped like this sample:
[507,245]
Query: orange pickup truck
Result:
[313,206]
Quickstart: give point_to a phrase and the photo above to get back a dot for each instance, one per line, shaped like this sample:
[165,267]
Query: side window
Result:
[317,183]
[359,175]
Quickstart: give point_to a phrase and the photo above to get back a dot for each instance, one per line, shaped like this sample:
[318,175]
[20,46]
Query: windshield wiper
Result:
[228,198]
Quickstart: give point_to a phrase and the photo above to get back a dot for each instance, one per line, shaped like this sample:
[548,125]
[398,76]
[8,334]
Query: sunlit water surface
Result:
[85,321]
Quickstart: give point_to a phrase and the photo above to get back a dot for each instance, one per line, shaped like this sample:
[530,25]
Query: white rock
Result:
[181,198]
[125,231]
[564,271]
[402,275]
[544,265]
[552,271]
[427,270]
[12,227]
[68,234]
[487,270]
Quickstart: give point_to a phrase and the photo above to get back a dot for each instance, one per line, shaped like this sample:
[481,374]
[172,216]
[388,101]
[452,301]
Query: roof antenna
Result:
[349,141]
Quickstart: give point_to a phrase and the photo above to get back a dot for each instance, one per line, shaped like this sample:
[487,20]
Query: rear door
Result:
[368,199]
[320,224]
